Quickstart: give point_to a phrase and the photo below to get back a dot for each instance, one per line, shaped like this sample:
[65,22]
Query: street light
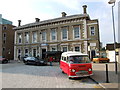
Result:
[113,2]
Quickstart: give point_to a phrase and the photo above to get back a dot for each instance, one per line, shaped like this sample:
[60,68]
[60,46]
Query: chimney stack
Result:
[64,14]
[84,9]
[19,22]
[37,19]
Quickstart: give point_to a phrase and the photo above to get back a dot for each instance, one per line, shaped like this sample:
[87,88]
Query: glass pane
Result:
[78,59]
[76,32]
[64,34]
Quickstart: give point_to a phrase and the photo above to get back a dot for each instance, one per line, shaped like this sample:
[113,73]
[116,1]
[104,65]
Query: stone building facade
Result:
[66,33]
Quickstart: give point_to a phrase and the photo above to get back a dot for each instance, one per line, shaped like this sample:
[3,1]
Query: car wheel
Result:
[37,64]
[26,62]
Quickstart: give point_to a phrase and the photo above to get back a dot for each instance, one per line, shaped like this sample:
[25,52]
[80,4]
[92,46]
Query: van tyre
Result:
[63,72]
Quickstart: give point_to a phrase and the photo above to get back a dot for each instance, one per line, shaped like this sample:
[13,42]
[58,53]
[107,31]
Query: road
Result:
[18,75]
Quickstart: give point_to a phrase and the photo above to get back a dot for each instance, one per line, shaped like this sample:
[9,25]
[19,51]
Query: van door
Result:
[66,65]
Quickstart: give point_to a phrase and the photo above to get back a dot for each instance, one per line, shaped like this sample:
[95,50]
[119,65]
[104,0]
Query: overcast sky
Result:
[28,10]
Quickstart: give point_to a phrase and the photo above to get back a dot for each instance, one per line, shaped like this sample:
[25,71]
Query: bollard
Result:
[107,77]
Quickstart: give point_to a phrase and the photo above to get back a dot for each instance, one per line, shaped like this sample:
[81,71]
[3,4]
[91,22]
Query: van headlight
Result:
[89,69]
[72,70]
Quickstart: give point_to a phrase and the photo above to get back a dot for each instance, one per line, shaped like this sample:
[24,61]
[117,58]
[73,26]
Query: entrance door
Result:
[92,54]
[43,54]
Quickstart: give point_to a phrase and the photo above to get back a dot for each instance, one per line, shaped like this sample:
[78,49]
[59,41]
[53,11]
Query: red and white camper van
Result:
[75,64]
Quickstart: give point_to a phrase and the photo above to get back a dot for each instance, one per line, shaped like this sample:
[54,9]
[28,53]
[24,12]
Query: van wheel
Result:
[63,72]
[70,78]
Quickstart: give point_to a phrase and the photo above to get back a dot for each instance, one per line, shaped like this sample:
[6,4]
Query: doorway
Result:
[92,54]
[43,53]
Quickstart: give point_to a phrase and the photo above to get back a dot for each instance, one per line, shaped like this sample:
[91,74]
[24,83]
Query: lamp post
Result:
[113,2]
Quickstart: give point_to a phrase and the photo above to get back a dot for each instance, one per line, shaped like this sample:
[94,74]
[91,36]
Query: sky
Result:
[28,10]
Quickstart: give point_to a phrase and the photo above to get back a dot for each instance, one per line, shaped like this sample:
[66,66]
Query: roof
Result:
[71,53]
[53,20]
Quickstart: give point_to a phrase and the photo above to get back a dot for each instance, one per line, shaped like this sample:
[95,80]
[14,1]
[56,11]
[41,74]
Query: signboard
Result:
[44,44]
[92,44]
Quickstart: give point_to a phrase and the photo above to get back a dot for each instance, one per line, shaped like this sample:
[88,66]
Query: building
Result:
[6,38]
[119,22]
[67,33]
[111,52]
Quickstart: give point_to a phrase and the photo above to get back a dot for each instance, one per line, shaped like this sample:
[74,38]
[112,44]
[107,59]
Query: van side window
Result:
[64,58]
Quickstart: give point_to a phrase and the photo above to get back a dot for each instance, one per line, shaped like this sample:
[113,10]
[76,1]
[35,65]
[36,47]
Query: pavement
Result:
[99,71]
[99,75]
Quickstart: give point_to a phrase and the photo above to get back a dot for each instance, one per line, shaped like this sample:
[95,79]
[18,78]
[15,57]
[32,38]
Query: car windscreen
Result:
[78,59]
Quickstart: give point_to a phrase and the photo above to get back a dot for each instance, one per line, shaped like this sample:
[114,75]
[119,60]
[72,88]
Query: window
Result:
[34,38]
[3,49]
[43,36]
[26,37]
[78,59]
[19,51]
[76,32]
[77,49]
[64,58]
[4,41]
[64,49]
[53,48]
[53,34]
[4,36]
[92,31]
[19,38]
[64,33]
[4,27]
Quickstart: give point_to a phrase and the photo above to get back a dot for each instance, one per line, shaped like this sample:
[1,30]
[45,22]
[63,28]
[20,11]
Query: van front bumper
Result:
[81,76]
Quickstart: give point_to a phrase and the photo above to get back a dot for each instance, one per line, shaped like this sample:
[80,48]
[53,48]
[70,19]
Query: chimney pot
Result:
[64,14]
[84,9]
[19,22]
[37,19]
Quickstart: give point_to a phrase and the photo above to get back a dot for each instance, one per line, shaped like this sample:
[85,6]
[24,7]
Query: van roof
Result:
[71,53]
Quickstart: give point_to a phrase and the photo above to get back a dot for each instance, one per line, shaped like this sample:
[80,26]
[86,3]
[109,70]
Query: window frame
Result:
[51,36]
[64,28]
[19,38]
[44,36]
[64,47]
[26,41]
[74,32]
[91,30]
[34,41]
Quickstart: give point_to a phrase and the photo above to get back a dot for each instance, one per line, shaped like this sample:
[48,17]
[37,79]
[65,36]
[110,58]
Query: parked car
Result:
[3,60]
[100,59]
[34,60]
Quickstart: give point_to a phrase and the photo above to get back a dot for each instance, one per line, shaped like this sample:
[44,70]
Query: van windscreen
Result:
[78,59]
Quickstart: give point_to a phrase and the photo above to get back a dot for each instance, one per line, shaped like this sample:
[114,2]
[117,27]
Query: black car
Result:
[34,60]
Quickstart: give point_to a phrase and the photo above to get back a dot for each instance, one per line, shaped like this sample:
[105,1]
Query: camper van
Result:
[75,64]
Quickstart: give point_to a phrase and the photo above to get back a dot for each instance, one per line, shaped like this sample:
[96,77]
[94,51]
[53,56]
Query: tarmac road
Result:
[18,75]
